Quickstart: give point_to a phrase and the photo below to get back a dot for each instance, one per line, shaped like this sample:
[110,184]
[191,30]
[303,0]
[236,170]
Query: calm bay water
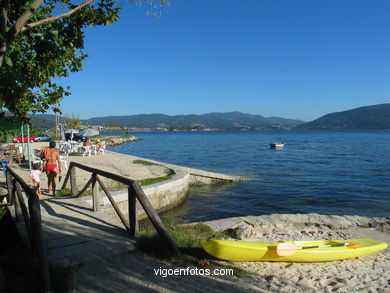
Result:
[327,172]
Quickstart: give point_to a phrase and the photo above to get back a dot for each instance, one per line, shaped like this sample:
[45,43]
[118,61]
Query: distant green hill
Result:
[368,117]
[231,120]
[44,121]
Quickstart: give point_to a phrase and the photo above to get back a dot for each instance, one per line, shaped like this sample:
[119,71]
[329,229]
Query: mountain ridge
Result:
[365,117]
[226,120]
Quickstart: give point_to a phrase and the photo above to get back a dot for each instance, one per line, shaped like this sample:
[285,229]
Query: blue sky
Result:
[292,59]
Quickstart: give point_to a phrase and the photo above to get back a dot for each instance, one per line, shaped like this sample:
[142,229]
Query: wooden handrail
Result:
[135,193]
[32,220]
[103,173]
[32,213]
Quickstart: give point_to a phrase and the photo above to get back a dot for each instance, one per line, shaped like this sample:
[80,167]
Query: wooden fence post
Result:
[33,223]
[9,187]
[23,208]
[153,216]
[18,211]
[65,182]
[132,202]
[37,242]
[73,182]
[95,192]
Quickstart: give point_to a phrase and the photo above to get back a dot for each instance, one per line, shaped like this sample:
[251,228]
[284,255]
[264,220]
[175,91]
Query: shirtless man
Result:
[52,158]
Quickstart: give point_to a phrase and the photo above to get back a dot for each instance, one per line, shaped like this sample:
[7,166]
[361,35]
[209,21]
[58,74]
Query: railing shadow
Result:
[74,209]
[135,193]
[31,215]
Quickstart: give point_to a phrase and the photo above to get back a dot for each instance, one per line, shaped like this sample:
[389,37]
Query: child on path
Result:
[34,175]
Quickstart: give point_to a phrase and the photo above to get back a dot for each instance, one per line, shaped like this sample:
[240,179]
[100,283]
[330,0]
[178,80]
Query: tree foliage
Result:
[73,122]
[42,41]
[111,125]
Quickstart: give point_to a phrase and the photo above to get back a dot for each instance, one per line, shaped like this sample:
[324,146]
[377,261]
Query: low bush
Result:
[186,237]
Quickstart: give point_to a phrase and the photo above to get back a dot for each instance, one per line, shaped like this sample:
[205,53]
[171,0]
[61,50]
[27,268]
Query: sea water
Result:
[327,172]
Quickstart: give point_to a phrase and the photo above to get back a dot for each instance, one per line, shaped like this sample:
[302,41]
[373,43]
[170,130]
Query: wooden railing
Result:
[135,193]
[31,215]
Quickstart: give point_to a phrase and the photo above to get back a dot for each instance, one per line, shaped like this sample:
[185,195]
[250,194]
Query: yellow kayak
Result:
[266,251]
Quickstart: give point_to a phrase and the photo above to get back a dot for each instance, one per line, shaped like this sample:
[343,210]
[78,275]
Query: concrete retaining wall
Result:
[200,176]
[167,194]
[162,195]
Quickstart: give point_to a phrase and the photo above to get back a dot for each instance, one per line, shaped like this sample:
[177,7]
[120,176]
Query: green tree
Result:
[72,122]
[111,125]
[40,43]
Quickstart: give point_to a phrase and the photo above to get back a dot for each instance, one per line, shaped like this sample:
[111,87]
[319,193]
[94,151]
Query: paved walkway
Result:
[76,235]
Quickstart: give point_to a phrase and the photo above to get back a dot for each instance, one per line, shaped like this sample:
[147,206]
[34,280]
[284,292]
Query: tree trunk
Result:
[22,25]
[3,50]
[8,37]
[3,26]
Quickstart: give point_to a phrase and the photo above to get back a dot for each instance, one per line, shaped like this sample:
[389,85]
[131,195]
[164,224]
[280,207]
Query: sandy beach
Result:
[370,273]
[136,272]
[364,274]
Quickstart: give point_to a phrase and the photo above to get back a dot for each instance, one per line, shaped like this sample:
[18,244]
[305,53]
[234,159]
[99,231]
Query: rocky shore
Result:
[272,227]
[116,140]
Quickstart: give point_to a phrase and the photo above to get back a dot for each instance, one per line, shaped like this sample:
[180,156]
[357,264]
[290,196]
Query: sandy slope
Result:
[136,272]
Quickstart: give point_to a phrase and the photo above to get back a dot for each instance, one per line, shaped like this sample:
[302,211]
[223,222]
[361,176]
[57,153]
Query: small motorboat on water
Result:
[277,145]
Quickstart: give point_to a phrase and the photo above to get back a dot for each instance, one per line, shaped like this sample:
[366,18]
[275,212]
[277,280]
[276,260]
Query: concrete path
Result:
[76,235]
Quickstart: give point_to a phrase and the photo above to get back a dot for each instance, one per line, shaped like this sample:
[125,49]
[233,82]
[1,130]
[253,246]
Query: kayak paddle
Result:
[288,248]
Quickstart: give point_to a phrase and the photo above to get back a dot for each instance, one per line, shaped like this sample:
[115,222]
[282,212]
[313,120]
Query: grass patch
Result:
[143,162]
[64,192]
[99,136]
[186,237]
[149,181]
[189,236]
[117,186]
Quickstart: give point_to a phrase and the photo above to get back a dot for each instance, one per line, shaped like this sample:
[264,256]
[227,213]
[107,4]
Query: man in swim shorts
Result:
[52,158]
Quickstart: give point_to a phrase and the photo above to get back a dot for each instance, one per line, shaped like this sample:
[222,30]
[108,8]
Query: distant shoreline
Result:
[112,140]
[266,130]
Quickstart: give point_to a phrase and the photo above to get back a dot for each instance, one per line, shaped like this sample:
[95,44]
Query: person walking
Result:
[53,166]
[34,175]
